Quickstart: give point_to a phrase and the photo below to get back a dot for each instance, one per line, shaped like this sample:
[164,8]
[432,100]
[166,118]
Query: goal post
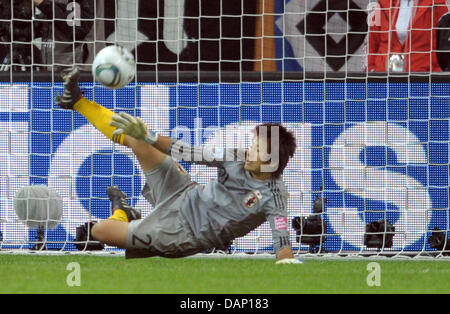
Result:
[373,145]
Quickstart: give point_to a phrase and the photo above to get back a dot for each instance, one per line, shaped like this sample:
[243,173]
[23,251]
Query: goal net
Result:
[373,143]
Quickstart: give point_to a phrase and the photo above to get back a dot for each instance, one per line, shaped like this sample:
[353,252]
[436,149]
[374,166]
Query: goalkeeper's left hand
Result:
[132,126]
[289,261]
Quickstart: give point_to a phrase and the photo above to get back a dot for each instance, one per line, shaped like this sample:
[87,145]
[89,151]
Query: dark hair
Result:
[287,145]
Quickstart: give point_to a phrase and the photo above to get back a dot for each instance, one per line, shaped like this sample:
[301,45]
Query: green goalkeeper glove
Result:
[289,261]
[132,126]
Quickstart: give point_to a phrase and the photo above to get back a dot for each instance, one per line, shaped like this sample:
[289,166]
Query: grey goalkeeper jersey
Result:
[233,204]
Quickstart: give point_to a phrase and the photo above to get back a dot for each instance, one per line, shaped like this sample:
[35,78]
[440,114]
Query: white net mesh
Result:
[374,143]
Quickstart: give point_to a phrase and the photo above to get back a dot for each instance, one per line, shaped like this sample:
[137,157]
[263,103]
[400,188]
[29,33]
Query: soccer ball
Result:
[114,67]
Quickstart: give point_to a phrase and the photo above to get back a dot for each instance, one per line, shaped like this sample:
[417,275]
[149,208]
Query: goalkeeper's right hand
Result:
[289,261]
[132,126]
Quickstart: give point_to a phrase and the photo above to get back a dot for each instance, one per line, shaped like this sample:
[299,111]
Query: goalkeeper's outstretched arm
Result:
[118,126]
[180,150]
[277,216]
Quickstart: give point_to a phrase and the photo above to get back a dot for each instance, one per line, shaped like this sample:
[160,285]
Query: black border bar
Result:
[238,77]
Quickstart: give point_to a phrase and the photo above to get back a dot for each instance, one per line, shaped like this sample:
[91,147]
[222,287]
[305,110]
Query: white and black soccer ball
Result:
[114,67]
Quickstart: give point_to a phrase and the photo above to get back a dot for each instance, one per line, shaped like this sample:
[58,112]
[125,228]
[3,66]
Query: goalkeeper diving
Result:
[189,218]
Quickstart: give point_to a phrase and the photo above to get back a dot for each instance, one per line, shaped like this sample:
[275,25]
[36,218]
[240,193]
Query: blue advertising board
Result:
[375,150]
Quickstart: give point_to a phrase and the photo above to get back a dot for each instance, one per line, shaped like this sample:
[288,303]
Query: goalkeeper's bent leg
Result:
[99,117]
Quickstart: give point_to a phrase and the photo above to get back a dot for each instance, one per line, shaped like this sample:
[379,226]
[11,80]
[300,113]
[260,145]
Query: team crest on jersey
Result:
[252,198]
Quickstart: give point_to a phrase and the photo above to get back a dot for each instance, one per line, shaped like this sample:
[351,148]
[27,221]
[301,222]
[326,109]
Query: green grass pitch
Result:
[100,274]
